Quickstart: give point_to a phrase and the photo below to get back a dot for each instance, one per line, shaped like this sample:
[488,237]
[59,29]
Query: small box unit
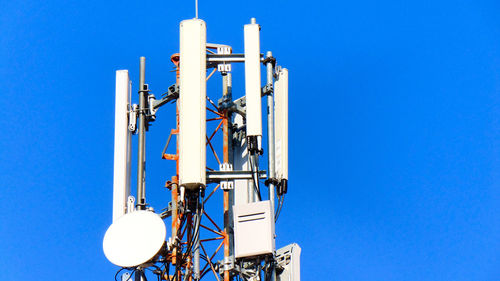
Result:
[253,229]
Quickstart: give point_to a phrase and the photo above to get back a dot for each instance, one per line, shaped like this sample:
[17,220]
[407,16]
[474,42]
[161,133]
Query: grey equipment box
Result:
[253,229]
[288,259]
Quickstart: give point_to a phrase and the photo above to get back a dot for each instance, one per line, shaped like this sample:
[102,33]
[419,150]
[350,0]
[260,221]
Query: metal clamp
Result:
[273,181]
[224,50]
[130,204]
[152,109]
[226,184]
[270,59]
[267,90]
[226,264]
[132,118]
[223,67]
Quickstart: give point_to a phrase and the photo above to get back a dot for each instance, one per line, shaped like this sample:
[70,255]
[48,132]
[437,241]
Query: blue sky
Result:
[394,130]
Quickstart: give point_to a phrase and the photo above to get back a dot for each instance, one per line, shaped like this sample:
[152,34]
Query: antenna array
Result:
[137,240]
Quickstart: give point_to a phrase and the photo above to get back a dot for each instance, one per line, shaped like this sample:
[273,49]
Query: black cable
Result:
[123,268]
[280,206]
[153,271]
[256,182]
[177,268]
[197,227]
[203,257]
[118,272]
[196,233]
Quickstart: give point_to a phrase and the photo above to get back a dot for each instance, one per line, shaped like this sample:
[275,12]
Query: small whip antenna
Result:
[196,7]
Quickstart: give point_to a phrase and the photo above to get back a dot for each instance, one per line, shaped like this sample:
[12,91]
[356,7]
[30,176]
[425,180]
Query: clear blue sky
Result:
[394,123]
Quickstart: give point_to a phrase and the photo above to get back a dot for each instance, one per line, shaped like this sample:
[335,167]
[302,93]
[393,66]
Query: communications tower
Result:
[237,241]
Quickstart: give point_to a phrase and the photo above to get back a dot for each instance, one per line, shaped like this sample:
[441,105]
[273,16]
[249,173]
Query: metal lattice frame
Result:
[183,224]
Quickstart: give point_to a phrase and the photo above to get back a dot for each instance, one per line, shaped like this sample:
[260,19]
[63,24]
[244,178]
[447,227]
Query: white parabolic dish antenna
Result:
[134,238]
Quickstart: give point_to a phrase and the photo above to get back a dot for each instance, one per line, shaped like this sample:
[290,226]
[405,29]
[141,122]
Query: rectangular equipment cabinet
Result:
[253,229]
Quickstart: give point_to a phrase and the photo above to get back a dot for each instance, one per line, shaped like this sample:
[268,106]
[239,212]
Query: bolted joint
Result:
[268,89]
[227,264]
[144,90]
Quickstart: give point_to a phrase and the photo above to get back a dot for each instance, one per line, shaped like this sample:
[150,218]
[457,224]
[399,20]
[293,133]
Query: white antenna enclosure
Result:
[122,157]
[281,124]
[252,79]
[192,103]
[288,258]
[134,238]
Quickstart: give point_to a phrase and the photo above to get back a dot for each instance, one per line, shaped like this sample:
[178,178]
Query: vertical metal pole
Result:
[270,141]
[174,217]
[175,179]
[196,249]
[227,92]
[227,201]
[270,129]
[141,158]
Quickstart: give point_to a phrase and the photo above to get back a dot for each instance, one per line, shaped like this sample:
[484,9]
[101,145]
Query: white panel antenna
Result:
[281,127]
[192,100]
[121,174]
[288,259]
[253,83]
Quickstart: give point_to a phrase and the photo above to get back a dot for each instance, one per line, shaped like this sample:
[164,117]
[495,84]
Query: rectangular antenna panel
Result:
[281,125]
[192,104]
[288,259]
[121,173]
[252,80]
[253,229]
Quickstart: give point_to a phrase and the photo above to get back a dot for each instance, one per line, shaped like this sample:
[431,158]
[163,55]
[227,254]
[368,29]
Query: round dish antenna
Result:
[134,239]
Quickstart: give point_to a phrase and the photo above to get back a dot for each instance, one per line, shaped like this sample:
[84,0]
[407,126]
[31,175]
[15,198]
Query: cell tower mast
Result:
[199,246]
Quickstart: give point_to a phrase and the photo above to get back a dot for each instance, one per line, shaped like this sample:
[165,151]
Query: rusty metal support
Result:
[213,151]
[210,195]
[228,194]
[211,220]
[211,230]
[216,130]
[215,112]
[210,263]
[213,119]
[175,218]
[211,257]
